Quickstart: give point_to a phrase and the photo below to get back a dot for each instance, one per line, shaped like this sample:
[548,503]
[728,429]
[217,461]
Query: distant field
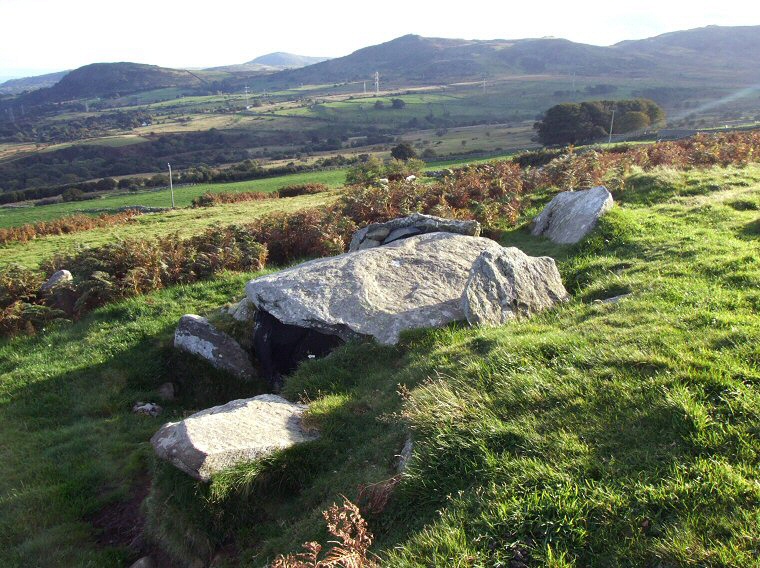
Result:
[481,138]
[184,222]
[183,197]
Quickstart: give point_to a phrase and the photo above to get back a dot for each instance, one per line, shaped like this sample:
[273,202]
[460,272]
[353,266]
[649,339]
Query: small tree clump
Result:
[403,151]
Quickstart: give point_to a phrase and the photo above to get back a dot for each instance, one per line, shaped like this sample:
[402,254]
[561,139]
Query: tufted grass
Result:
[622,434]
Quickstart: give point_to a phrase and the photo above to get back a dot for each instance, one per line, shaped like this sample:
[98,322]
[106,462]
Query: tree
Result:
[366,172]
[573,123]
[379,105]
[398,103]
[631,121]
[73,194]
[403,151]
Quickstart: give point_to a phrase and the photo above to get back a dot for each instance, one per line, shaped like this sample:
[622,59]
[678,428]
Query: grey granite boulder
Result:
[197,336]
[240,431]
[58,278]
[378,234]
[243,311]
[572,215]
[411,283]
[507,284]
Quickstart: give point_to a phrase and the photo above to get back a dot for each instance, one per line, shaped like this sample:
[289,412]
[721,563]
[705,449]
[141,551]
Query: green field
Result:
[183,222]
[595,434]
[183,197]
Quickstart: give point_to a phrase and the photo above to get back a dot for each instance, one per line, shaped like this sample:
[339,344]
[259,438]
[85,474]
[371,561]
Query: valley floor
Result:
[597,434]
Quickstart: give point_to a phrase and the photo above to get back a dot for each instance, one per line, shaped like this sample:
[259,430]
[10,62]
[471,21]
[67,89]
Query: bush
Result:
[302,189]
[403,151]
[303,234]
[368,171]
[132,267]
[209,199]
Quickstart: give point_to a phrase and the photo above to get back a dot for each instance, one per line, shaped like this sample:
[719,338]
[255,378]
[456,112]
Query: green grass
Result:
[596,434]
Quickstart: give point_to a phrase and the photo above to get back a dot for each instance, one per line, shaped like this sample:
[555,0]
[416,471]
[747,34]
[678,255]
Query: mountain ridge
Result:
[708,55]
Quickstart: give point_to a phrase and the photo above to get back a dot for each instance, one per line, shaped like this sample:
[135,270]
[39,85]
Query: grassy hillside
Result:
[593,435]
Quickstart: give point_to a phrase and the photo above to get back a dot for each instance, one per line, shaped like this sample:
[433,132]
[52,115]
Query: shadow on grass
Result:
[353,390]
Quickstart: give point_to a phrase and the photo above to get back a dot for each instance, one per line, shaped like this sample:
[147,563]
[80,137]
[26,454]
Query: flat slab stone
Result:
[508,284]
[195,335]
[378,234]
[411,283]
[240,431]
[572,215]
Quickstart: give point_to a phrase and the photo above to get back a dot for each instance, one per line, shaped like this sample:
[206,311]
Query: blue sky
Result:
[39,36]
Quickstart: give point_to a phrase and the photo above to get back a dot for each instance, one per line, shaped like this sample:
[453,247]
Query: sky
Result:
[38,36]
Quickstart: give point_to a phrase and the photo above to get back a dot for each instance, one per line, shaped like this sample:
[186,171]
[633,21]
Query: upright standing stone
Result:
[58,278]
[572,215]
[197,336]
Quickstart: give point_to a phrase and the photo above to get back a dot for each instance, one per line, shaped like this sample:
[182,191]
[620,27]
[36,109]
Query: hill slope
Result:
[700,53]
[286,60]
[619,434]
[712,51]
[109,79]
[16,86]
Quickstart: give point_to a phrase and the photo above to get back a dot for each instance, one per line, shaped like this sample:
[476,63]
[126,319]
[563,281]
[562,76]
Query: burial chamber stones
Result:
[421,281]
[378,292]
[426,280]
[197,336]
[571,215]
[240,431]
[378,234]
[508,284]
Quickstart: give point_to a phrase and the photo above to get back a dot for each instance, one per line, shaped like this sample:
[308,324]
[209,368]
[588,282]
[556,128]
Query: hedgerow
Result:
[302,189]
[64,226]
[209,199]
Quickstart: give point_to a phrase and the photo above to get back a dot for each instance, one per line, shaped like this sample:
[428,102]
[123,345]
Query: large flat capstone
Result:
[572,215]
[240,431]
[411,283]
[508,284]
[195,335]
[378,234]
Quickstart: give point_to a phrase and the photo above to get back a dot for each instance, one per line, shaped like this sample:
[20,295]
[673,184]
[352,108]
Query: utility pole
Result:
[365,87]
[484,86]
[171,185]
[246,97]
[377,83]
[612,122]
